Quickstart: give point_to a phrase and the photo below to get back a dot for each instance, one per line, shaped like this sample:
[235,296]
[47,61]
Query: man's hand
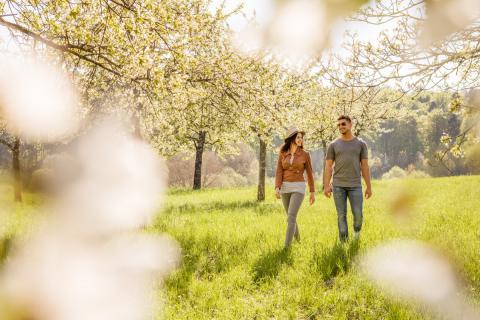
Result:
[366,177]
[312,197]
[277,193]
[327,191]
[368,193]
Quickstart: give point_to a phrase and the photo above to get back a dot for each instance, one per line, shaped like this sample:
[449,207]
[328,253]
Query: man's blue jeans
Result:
[355,196]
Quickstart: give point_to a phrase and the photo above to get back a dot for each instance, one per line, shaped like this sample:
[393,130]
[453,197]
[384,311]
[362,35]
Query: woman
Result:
[293,162]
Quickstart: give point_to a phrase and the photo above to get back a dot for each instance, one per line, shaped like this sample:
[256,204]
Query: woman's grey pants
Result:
[291,203]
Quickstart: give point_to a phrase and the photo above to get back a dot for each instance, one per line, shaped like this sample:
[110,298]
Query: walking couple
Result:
[347,158]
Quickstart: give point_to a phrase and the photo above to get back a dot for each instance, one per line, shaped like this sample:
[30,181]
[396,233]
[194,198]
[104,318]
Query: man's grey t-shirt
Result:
[347,156]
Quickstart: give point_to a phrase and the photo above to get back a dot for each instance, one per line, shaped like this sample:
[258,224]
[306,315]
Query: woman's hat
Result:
[292,131]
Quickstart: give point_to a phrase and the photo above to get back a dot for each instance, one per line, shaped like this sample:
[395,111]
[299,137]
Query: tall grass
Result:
[233,265]
[16,219]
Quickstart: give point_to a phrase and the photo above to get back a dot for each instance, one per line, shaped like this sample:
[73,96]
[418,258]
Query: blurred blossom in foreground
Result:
[298,30]
[249,41]
[59,277]
[37,100]
[90,260]
[402,201]
[448,16]
[413,270]
[121,184]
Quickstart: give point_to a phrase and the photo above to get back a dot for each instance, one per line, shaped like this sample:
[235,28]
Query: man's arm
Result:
[366,177]
[327,175]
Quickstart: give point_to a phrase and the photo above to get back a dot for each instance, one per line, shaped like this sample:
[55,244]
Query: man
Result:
[347,156]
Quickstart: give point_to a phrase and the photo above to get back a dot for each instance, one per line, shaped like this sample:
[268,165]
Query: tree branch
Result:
[63,48]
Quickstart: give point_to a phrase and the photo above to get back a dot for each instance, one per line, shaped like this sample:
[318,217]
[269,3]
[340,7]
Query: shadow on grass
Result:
[268,265]
[203,190]
[178,191]
[334,261]
[259,207]
[205,258]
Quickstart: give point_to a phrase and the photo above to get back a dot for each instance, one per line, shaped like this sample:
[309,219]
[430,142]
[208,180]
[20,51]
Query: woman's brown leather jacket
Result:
[293,172]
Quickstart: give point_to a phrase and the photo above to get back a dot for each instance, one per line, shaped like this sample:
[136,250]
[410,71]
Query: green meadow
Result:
[233,265]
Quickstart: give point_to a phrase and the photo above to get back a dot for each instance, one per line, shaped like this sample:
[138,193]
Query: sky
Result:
[5,34]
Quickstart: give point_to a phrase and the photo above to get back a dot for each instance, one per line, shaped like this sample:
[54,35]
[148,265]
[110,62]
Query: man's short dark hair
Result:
[344,117]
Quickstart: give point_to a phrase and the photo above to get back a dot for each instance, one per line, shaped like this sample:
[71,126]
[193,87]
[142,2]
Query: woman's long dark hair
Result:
[286,146]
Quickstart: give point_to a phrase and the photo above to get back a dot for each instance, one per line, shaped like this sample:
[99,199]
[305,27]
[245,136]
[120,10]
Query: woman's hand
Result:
[312,197]
[277,193]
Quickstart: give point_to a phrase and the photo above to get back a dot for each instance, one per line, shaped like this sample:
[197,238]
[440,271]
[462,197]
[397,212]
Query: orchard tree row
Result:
[171,67]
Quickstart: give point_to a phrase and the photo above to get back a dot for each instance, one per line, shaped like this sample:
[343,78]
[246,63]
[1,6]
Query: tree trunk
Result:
[17,179]
[199,148]
[262,164]
[324,160]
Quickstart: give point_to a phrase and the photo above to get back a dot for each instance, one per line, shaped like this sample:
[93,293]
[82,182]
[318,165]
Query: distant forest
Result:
[411,141]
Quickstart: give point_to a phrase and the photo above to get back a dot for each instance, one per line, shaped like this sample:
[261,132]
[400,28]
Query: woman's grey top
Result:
[289,187]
